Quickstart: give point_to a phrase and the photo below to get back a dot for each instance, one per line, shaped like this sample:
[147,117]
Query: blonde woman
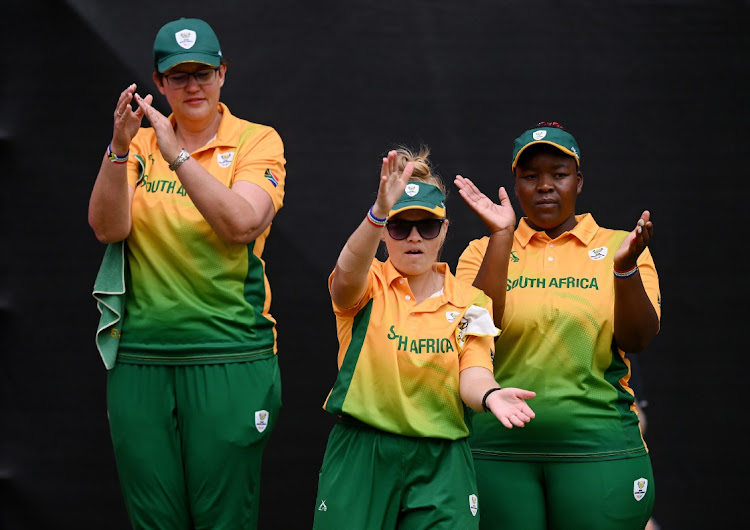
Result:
[415,353]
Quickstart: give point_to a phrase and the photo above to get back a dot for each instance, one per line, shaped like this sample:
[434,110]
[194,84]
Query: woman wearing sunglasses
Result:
[193,392]
[415,350]
[572,297]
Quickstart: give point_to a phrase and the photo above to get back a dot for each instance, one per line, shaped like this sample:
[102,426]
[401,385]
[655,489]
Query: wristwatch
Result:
[184,155]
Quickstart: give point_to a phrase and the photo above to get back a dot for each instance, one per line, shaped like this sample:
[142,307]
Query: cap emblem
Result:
[185,38]
[411,189]
[538,135]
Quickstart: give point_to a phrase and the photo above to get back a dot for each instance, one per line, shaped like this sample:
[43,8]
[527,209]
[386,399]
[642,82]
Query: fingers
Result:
[464,183]
[139,113]
[408,170]
[644,229]
[503,196]
[515,418]
[467,189]
[123,109]
[144,105]
[384,172]
[390,165]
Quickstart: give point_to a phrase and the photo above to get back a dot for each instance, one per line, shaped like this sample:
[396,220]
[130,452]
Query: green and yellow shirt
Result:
[191,297]
[558,340]
[399,361]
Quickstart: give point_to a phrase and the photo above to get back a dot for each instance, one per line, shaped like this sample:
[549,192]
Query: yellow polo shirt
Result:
[558,340]
[191,297]
[399,361]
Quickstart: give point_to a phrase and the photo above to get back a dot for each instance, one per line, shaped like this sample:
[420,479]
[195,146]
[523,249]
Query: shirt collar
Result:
[455,295]
[225,132]
[584,230]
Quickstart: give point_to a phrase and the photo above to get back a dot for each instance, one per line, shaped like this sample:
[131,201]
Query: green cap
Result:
[420,195]
[559,138]
[187,40]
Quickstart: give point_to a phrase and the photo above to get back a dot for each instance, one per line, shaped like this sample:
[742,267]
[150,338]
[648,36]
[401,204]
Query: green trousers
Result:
[188,441]
[607,495]
[375,480]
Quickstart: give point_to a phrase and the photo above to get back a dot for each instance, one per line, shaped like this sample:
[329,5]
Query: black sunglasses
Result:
[400,229]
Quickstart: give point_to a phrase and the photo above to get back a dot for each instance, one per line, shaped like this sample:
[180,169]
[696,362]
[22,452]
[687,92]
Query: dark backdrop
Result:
[655,93]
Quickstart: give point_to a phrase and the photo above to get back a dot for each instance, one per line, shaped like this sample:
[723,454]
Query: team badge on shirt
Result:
[473,504]
[261,420]
[451,315]
[598,253]
[224,159]
[185,38]
[639,488]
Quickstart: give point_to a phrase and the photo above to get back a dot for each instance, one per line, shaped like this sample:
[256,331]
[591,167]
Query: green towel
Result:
[109,292]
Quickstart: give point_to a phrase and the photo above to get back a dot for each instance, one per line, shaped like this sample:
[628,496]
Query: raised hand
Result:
[497,217]
[634,244]
[392,184]
[165,136]
[127,121]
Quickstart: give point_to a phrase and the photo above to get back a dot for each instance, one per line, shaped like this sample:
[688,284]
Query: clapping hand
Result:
[127,120]
[165,135]
[392,184]
[634,244]
[497,217]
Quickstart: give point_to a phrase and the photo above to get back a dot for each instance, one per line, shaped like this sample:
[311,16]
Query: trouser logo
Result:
[473,504]
[323,507]
[261,420]
[639,488]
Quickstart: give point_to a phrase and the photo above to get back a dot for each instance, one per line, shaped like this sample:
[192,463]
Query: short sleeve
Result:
[260,160]
[476,333]
[470,260]
[650,279]
[366,295]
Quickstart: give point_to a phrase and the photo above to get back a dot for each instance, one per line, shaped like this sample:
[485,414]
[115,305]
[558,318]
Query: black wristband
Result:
[486,395]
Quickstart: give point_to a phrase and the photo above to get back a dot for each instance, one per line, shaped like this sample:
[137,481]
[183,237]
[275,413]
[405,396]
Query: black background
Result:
[655,93]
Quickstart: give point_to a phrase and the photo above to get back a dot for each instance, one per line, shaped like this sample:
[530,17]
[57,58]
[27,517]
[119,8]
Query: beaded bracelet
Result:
[116,159]
[486,395]
[625,274]
[377,221]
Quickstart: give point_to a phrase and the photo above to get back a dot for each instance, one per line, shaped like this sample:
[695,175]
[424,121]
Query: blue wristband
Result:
[375,220]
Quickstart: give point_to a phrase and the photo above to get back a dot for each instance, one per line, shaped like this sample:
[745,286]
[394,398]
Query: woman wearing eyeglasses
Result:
[415,350]
[193,393]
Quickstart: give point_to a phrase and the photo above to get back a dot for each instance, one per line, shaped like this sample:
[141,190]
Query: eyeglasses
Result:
[181,79]
[400,229]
